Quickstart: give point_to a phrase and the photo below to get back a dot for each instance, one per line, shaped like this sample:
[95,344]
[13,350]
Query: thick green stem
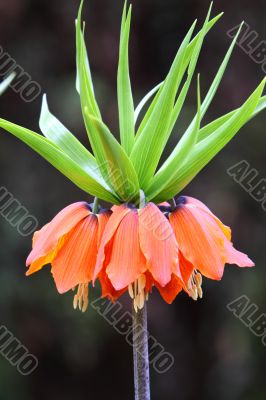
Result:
[141,354]
[95,206]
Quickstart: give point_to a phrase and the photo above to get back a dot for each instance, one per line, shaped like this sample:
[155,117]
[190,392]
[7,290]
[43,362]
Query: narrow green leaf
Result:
[54,130]
[167,173]
[260,107]
[187,57]
[191,69]
[148,113]
[216,82]
[6,82]
[149,145]
[84,82]
[124,92]
[115,165]
[214,125]
[194,41]
[61,161]
[207,148]
[145,99]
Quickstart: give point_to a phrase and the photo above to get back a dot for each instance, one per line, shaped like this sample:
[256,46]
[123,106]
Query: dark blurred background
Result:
[81,356]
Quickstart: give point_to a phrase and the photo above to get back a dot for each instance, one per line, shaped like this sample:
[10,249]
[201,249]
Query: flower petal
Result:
[203,239]
[102,221]
[197,203]
[49,239]
[126,260]
[158,244]
[107,288]
[75,262]
[119,212]
[198,240]
[171,290]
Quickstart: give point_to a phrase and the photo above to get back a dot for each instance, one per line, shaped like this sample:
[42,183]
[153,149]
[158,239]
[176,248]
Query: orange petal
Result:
[231,255]
[175,286]
[126,260]
[158,244]
[203,239]
[102,221]
[190,200]
[107,288]
[171,290]
[186,268]
[48,240]
[119,212]
[197,241]
[75,262]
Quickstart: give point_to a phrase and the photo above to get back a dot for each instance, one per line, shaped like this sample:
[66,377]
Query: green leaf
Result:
[124,93]
[191,69]
[194,41]
[6,82]
[84,82]
[217,80]
[149,112]
[187,58]
[145,99]
[150,143]
[167,173]
[61,161]
[212,126]
[113,161]
[260,107]
[206,149]
[54,130]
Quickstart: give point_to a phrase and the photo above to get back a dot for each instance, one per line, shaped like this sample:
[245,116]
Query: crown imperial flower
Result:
[144,240]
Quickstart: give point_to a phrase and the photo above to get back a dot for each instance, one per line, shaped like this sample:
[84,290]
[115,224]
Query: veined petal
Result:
[232,256]
[119,212]
[197,241]
[102,221]
[175,286]
[50,238]
[75,261]
[171,290]
[107,288]
[158,244]
[127,262]
[203,239]
[197,203]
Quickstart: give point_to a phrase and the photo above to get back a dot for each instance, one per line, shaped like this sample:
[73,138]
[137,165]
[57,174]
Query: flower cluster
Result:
[167,247]
[138,244]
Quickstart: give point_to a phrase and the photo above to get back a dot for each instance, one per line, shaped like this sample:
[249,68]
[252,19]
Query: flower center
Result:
[136,291]
[81,298]
[194,285]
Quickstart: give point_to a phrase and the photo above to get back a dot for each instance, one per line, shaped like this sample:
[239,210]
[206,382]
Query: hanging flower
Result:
[170,256]
[69,243]
[138,249]
[204,242]
[139,243]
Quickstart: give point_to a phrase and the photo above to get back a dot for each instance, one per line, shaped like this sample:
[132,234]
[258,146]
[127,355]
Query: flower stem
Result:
[95,206]
[141,354]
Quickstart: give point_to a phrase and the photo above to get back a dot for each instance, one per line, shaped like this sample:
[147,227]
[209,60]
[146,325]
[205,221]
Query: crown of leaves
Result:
[117,171]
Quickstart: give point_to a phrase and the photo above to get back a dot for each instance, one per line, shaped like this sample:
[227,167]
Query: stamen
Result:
[136,291]
[198,279]
[81,298]
[131,291]
[194,285]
